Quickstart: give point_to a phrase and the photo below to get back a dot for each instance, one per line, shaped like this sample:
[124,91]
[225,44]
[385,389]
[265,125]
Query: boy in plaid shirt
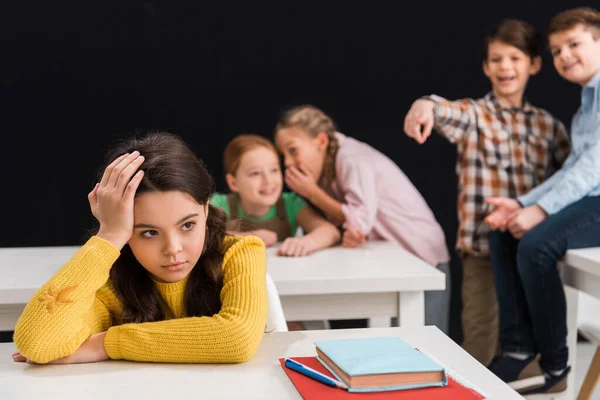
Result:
[505,148]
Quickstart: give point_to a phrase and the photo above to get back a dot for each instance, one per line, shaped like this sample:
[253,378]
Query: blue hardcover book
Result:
[379,364]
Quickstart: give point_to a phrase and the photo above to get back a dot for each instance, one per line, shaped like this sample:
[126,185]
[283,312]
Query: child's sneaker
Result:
[521,375]
[553,384]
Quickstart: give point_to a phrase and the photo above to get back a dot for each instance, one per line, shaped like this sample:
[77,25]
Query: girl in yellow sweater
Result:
[160,281]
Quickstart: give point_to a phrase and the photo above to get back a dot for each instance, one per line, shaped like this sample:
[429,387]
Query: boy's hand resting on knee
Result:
[92,350]
[419,120]
[296,247]
[510,215]
[525,220]
[353,237]
[505,208]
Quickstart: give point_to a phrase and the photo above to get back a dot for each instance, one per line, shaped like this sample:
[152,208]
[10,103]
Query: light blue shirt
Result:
[580,174]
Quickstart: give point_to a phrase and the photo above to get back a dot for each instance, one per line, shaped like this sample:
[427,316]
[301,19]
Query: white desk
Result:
[260,378]
[580,270]
[380,279]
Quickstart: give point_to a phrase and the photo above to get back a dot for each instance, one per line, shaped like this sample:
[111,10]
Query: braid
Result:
[314,121]
[328,175]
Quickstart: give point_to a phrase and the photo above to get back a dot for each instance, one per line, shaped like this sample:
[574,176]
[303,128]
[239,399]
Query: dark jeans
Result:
[531,298]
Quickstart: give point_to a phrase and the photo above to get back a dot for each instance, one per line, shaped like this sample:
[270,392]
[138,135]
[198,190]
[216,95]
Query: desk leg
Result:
[411,308]
[572,296]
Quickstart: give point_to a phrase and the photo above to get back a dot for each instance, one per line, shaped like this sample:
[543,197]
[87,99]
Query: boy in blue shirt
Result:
[537,229]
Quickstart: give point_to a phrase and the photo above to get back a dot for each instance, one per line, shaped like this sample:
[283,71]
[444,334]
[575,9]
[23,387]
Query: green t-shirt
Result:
[293,204]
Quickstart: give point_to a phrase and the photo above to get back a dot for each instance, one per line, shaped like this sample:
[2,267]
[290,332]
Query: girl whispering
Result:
[257,206]
[363,191]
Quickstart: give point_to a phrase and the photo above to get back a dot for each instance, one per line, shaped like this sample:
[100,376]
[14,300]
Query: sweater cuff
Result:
[103,247]
[354,222]
[525,200]
[112,343]
[550,207]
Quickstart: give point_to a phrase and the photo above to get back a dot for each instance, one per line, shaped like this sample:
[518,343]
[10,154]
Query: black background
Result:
[76,76]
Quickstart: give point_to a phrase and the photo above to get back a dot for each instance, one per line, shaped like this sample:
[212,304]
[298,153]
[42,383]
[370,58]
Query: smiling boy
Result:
[505,147]
[537,229]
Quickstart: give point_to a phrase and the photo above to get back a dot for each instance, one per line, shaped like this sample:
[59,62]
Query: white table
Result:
[260,378]
[580,270]
[379,280]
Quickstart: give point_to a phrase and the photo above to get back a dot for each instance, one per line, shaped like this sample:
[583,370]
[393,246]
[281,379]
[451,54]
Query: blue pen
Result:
[311,373]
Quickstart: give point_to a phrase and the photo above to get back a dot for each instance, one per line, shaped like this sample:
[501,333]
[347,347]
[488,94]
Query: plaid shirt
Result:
[501,152]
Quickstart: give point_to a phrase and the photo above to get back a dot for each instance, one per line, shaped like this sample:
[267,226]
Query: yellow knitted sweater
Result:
[78,301]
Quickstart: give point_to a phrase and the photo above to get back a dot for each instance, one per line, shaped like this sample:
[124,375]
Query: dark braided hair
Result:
[314,121]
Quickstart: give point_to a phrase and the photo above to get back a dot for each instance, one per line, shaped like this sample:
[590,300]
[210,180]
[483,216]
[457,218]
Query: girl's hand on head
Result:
[111,200]
[419,120]
[353,237]
[301,181]
[267,236]
[296,247]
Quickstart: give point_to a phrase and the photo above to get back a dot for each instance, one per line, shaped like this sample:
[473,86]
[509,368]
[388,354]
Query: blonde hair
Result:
[314,121]
[568,19]
[239,146]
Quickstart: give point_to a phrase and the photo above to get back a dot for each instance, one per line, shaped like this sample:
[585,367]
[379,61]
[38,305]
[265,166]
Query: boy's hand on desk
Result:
[296,247]
[419,120]
[92,350]
[353,237]
[505,208]
[522,221]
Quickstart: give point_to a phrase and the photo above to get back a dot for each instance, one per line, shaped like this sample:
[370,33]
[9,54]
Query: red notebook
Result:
[312,390]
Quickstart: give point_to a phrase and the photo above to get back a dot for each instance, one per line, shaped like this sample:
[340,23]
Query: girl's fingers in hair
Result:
[117,169]
[108,170]
[132,186]
[127,173]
